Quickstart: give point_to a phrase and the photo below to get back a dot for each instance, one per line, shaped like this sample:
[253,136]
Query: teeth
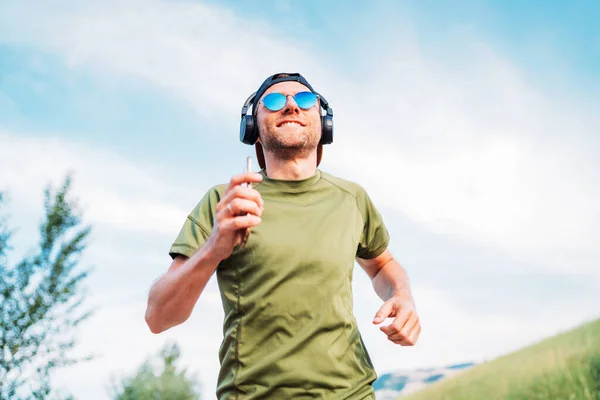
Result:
[290,123]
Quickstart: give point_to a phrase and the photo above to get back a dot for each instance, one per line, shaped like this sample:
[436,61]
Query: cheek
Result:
[261,122]
[316,118]
[316,122]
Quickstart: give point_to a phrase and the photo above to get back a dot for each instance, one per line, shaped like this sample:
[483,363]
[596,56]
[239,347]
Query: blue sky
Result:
[473,127]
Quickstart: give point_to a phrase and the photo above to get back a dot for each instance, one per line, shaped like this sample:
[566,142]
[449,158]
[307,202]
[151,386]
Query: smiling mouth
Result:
[290,123]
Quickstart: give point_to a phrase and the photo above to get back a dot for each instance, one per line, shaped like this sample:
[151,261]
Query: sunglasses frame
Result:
[317,98]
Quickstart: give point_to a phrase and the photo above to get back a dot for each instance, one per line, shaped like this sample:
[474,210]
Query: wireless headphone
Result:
[249,127]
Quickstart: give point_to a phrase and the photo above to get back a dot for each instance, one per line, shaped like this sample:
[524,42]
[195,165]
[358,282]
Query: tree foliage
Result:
[168,383]
[41,299]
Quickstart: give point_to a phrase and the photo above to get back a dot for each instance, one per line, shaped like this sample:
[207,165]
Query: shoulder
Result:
[209,200]
[215,192]
[354,189]
[202,213]
[363,201]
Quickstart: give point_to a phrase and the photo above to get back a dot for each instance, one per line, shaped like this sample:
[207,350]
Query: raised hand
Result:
[239,208]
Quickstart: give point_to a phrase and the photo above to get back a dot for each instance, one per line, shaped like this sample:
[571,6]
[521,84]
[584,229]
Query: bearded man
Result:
[289,330]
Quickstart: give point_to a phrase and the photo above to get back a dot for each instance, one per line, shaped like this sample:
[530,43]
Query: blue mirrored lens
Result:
[274,101]
[305,99]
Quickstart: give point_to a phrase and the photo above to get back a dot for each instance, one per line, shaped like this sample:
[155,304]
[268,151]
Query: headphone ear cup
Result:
[326,129]
[248,131]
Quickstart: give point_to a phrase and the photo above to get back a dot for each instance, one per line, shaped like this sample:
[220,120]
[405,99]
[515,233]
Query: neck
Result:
[293,170]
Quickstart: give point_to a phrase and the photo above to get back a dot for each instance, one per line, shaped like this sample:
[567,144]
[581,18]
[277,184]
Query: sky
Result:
[474,129]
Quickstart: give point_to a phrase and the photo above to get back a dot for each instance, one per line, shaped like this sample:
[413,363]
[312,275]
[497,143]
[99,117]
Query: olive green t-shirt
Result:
[289,327]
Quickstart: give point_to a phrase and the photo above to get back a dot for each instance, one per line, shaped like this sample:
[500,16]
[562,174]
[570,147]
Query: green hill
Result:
[566,366]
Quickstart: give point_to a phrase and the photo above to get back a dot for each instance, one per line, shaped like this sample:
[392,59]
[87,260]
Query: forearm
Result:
[173,297]
[391,280]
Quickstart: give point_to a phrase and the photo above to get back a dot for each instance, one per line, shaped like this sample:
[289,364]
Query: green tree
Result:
[41,299]
[168,383]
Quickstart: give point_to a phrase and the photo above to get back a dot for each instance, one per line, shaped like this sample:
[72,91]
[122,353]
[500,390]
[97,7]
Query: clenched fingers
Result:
[400,319]
[240,206]
[240,192]
[408,334]
[240,222]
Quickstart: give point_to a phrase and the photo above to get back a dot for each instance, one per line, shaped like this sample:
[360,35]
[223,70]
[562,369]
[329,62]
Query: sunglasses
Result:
[275,101]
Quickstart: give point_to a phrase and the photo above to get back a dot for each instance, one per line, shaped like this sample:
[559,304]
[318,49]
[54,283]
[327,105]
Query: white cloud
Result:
[101,177]
[478,153]
[465,147]
[204,54]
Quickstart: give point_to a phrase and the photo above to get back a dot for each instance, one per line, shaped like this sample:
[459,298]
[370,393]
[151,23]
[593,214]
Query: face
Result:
[290,132]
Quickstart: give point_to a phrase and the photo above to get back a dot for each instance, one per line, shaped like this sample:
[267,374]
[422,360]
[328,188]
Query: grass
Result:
[566,366]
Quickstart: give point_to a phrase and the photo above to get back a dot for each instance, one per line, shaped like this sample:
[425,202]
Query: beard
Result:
[289,147]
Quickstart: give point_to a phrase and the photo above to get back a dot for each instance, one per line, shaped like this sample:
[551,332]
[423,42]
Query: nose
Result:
[290,105]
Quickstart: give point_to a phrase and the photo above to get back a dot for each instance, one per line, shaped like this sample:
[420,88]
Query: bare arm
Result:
[173,297]
[387,275]
[391,285]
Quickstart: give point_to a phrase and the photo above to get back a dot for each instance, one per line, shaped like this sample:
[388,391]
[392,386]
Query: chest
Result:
[309,239]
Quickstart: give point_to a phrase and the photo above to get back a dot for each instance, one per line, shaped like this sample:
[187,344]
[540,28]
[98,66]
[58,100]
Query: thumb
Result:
[383,312]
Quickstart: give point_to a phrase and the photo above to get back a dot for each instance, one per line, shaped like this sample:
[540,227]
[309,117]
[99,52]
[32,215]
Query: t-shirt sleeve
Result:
[375,237]
[197,226]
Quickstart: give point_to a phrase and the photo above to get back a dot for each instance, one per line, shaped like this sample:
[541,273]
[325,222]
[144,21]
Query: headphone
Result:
[249,128]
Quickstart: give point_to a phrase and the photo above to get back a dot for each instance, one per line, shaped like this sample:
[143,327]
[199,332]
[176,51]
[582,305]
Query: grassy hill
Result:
[566,366]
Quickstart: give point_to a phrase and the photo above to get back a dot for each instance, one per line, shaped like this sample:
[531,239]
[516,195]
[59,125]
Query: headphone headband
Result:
[247,104]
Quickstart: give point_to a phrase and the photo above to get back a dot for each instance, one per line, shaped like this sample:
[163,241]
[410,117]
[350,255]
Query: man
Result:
[289,329]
